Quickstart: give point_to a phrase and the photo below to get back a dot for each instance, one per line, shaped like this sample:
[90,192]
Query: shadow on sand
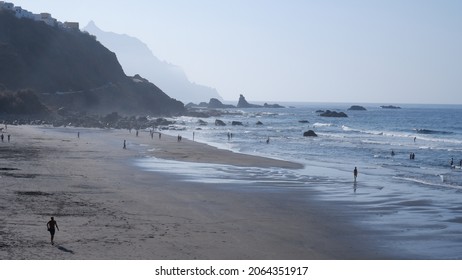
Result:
[65,249]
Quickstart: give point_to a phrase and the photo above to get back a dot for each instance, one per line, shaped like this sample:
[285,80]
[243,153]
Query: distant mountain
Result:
[137,58]
[69,68]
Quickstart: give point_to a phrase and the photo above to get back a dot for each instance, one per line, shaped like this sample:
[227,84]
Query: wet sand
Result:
[107,208]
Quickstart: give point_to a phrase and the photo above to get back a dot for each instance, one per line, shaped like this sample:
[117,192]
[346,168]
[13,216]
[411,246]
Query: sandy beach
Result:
[107,208]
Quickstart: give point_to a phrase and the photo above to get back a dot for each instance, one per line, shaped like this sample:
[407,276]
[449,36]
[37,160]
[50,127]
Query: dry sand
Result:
[106,208]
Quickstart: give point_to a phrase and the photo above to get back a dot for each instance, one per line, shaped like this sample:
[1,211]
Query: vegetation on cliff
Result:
[69,68]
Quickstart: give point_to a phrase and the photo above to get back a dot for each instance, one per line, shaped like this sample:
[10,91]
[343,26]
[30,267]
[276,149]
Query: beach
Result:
[106,208]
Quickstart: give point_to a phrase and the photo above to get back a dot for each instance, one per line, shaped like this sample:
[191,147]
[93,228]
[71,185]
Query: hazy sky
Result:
[403,51]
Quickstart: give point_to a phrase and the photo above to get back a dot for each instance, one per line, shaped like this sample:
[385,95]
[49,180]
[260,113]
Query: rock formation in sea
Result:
[242,103]
[219,122]
[333,114]
[390,107]
[217,104]
[357,108]
[310,133]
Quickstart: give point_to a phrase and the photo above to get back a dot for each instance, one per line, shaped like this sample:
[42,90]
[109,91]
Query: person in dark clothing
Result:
[51,225]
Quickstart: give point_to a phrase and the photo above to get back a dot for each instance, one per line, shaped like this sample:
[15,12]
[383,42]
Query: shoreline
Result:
[108,209]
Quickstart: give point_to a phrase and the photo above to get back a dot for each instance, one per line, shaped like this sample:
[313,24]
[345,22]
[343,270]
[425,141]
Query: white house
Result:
[45,17]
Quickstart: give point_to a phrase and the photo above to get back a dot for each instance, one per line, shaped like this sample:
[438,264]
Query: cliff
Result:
[69,68]
[136,58]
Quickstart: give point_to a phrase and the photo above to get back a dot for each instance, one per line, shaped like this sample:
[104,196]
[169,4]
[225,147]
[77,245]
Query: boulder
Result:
[219,123]
[236,123]
[303,121]
[201,122]
[310,133]
[259,123]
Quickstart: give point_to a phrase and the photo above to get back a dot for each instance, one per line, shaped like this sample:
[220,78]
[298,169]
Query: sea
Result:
[417,200]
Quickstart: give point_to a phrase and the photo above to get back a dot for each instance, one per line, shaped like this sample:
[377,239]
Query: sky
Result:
[369,51]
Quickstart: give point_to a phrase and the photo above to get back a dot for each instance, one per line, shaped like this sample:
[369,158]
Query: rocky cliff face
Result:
[137,58]
[72,69]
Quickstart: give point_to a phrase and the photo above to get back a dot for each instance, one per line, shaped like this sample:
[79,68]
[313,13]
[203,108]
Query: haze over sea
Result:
[415,201]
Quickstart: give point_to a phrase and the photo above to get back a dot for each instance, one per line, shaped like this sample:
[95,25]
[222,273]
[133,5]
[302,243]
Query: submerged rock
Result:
[310,133]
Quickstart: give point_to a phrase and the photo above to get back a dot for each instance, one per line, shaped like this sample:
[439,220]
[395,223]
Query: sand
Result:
[107,208]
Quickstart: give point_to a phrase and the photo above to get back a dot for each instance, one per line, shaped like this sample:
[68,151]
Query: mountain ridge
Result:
[136,58]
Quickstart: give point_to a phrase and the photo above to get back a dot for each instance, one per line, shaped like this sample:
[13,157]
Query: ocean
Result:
[417,199]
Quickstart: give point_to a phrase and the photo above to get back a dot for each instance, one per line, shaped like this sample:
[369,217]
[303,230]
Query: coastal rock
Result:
[303,121]
[310,133]
[259,123]
[333,114]
[215,103]
[242,103]
[201,122]
[357,108]
[236,123]
[276,106]
[219,123]
[390,107]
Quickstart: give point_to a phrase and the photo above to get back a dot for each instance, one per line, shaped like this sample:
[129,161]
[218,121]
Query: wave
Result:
[442,182]
[323,124]
[429,131]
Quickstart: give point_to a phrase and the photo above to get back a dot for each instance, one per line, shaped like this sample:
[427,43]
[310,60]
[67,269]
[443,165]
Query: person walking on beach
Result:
[51,228]
[125,144]
[355,173]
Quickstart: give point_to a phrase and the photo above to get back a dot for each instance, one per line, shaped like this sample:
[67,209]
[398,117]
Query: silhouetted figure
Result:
[125,144]
[355,173]
[78,134]
[51,228]
[2,137]
[415,138]
[267,140]
[194,135]
[137,133]
[392,153]
[9,137]
[160,135]
[452,161]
